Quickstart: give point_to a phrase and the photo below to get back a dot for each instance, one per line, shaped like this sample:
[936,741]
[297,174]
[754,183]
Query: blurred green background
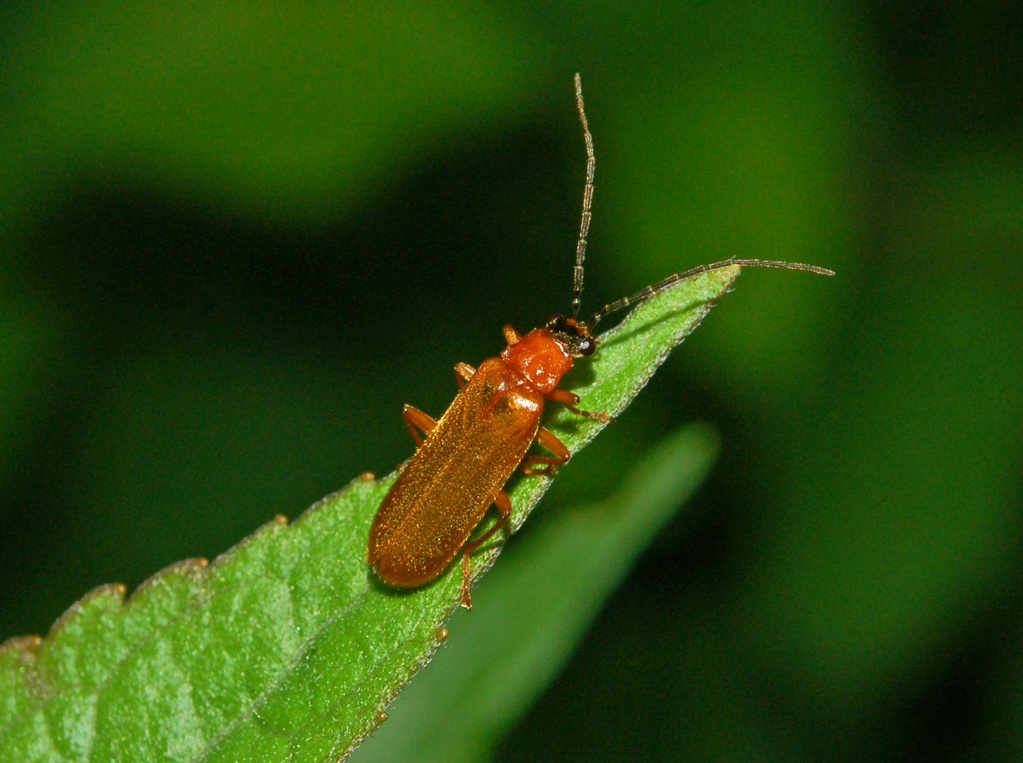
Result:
[234,239]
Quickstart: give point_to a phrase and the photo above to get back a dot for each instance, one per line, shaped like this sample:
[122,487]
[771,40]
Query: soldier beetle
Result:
[461,466]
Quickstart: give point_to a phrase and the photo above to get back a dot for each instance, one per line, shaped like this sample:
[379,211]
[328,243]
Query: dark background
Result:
[235,239]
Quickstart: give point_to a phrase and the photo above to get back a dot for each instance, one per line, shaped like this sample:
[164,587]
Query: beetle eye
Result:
[586,346]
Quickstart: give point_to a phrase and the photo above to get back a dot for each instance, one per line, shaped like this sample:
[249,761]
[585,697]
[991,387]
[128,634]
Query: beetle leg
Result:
[511,336]
[504,505]
[463,372]
[570,400]
[417,422]
[550,465]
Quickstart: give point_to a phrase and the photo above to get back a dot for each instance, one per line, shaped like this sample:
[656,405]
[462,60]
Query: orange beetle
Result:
[461,467]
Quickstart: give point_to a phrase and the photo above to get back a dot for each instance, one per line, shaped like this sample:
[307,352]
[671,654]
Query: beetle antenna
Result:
[660,286]
[584,224]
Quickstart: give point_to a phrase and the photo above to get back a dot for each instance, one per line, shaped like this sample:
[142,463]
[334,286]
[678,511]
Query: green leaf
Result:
[527,618]
[285,646]
[231,110]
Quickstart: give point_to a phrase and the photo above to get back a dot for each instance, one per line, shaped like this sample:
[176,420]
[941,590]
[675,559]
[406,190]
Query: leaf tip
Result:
[20,645]
[193,567]
[112,594]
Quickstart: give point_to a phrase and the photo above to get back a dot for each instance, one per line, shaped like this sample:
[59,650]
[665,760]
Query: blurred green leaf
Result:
[286,112]
[527,618]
